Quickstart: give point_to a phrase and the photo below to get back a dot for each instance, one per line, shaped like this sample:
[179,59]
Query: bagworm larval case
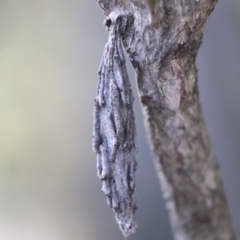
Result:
[114,127]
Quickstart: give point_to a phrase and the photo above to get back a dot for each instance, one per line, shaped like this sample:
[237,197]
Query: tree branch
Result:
[164,58]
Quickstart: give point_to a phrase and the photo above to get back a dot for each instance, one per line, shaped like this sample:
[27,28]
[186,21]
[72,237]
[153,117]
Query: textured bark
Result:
[163,48]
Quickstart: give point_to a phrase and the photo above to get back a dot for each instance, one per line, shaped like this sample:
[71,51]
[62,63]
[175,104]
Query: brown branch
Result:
[164,59]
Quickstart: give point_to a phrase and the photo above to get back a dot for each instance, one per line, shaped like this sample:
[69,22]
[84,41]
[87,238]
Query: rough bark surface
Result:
[163,49]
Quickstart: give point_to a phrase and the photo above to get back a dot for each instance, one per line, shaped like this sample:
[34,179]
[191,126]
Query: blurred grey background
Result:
[49,55]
